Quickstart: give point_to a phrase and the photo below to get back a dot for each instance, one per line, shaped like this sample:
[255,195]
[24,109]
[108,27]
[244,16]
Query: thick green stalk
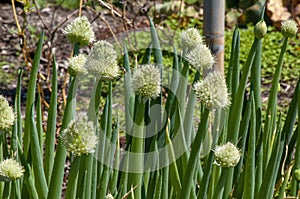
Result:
[28,180]
[158,186]
[233,75]
[60,156]
[31,92]
[96,104]
[124,175]
[18,107]
[220,186]
[129,100]
[39,122]
[271,109]
[137,147]
[106,175]
[256,76]
[249,181]
[88,160]
[174,175]
[72,179]
[270,172]
[294,184]
[7,190]
[158,60]
[51,126]
[37,160]
[191,167]
[236,110]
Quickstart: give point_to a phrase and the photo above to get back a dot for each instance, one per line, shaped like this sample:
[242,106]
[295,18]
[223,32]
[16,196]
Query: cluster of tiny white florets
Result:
[146,81]
[7,115]
[289,28]
[102,61]
[212,91]
[109,196]
[79,137]
[201,57]
[191,38]
[76,66]
[80,31]
[227,155]
[11,169]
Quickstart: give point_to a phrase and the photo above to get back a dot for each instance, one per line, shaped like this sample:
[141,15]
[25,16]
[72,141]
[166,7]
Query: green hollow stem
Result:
[28,180]
[137,147]
[295,185]
[72,179]
[271,109]
[174,177]
[191,167]
[60,156]
[51,126]
[37,160]
[236,110]
[31,92]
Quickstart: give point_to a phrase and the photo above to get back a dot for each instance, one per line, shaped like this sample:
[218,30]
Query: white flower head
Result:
[227,155]
[212,91]
[76,66]
[11,169]
[146,81]
[191,38]
[102,61]
[7,116]
[289,28]
[201,57]
[80,137]
[80,31]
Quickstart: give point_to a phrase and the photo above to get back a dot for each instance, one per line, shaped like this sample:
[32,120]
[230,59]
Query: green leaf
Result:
[31,92]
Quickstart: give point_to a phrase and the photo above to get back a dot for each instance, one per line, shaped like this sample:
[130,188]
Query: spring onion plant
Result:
[205,138]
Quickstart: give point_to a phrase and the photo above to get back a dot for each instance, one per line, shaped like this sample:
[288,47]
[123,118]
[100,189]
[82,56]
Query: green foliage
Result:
[270,50]
[157,160]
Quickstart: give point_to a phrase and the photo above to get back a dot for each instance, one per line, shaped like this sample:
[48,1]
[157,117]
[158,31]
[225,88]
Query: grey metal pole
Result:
[214,23]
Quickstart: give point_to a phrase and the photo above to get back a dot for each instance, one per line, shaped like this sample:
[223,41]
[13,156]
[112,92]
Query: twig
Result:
[114,12]
[110,29]
[80,8]
[21,34]
[39,15]
[15,16]
[125,24]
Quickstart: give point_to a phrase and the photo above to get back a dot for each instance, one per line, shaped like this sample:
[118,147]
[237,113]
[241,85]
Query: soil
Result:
[49,18]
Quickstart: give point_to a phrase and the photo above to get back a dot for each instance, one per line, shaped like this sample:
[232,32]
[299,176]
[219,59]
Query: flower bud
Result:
[260,29]
[289,28]
[146,81]
[212,91]
[76,66]
[297,174]
[227,155]
[7,116]
[102,61]
[191,38]
[79,137]
[80,31]
[11,169]
[201,57]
